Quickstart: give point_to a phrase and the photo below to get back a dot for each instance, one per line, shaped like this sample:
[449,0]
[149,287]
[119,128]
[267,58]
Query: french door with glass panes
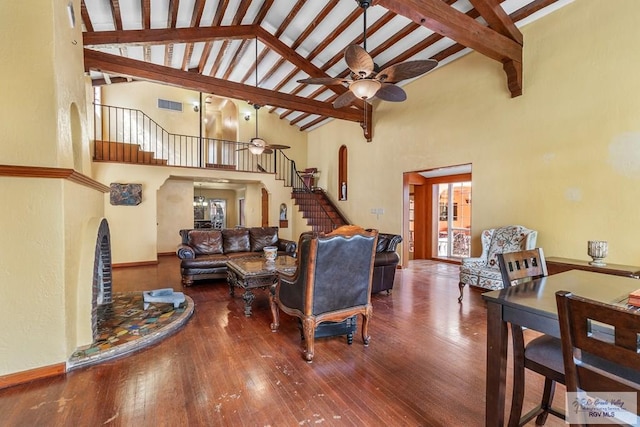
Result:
[453,217]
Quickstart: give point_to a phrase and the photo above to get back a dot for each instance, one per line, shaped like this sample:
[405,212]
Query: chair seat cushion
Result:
[546,351]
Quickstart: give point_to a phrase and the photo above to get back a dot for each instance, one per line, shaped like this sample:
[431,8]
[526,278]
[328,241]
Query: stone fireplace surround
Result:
[102,284]
[109,308]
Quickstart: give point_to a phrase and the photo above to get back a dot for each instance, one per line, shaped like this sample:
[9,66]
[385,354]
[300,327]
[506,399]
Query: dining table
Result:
[533,305]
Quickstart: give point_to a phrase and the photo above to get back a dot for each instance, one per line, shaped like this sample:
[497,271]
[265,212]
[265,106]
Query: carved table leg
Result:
[275,312]
[231,280]
[248,298]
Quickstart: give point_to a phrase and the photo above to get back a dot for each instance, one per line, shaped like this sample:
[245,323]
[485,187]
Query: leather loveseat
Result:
[205,252]
[386,261]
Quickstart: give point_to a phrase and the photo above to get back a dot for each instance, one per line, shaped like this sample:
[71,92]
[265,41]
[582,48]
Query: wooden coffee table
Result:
[255,273]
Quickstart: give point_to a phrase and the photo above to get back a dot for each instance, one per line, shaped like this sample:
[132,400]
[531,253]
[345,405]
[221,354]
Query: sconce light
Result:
[247,116]
[196,107]
[71,15]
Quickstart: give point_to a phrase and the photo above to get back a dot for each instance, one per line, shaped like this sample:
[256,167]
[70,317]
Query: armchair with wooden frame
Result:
[542,354]
[332,282]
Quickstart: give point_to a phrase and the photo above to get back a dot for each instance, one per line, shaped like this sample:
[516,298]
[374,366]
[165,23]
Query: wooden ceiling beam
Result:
[449,22]
[115,12]
[498,19]
[293,57]
[145,6]
[313,123]
[85,16]
[168,35]
[115,64]
[217,19]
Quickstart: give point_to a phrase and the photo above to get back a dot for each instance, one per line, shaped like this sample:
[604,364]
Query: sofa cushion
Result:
[206,261]
[262,236]
[206,242]
[235,240]
[504,240]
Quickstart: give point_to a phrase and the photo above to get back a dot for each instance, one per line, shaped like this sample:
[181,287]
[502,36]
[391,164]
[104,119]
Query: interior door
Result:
[265,208]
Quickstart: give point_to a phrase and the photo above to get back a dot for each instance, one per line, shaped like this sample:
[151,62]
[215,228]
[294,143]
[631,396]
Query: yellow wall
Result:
[144,96]
[563,158]
[41,119]
[172,196]
[135,229]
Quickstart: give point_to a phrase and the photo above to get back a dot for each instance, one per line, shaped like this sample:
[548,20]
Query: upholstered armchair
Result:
[484,271]
[331,283]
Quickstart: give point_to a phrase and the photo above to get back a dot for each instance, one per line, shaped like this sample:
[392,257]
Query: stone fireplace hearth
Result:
[120,324]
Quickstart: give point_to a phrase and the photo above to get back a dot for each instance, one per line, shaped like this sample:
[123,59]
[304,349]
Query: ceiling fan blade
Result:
[358,60]
[344,100]
[323,81]
[406,70]
[267,151]
[391,92]
[277,146]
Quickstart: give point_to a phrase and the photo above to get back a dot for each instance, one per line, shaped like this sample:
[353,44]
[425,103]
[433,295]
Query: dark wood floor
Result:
[425,366]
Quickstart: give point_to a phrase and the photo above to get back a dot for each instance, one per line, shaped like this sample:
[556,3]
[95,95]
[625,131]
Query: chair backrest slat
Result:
[519,265]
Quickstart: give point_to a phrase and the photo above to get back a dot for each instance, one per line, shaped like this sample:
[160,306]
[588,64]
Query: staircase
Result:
[317,208]
[124,152]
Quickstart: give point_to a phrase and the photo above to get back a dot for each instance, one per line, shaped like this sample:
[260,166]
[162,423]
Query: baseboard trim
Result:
[166,253]
[32,374]
[134,264]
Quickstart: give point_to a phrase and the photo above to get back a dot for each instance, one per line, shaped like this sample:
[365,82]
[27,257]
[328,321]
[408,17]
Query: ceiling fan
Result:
[366,81]
[258,145]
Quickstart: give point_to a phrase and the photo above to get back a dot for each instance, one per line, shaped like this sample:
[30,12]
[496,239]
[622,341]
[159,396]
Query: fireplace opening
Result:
[102,285]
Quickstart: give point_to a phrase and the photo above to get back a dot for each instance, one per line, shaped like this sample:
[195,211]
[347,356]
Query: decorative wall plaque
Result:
[126,194]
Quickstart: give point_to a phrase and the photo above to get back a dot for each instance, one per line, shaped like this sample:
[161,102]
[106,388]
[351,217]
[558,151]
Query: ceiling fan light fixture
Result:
[257,146]
[365,88]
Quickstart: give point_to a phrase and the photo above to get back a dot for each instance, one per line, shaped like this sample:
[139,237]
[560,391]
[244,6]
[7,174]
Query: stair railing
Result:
[286,170]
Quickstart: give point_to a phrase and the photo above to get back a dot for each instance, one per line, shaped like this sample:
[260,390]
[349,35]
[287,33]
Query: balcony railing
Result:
[128,135]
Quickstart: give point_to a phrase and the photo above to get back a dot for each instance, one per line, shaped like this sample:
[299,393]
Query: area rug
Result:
[124,326]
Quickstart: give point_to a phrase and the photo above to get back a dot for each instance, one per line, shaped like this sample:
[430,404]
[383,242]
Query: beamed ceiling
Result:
[214,46]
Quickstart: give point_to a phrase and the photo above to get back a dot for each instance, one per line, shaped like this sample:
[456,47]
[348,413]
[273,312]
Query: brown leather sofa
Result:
[386,261]
[205,252]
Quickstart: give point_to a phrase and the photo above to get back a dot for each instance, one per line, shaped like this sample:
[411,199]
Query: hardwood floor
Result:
[425,365]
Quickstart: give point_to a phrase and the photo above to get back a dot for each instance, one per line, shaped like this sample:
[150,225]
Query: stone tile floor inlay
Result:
[124,326]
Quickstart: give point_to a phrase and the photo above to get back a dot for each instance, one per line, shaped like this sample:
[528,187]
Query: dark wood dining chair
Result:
[542,355]
[594,361]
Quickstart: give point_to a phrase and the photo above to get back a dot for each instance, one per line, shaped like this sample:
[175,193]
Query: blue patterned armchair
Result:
[484,271]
